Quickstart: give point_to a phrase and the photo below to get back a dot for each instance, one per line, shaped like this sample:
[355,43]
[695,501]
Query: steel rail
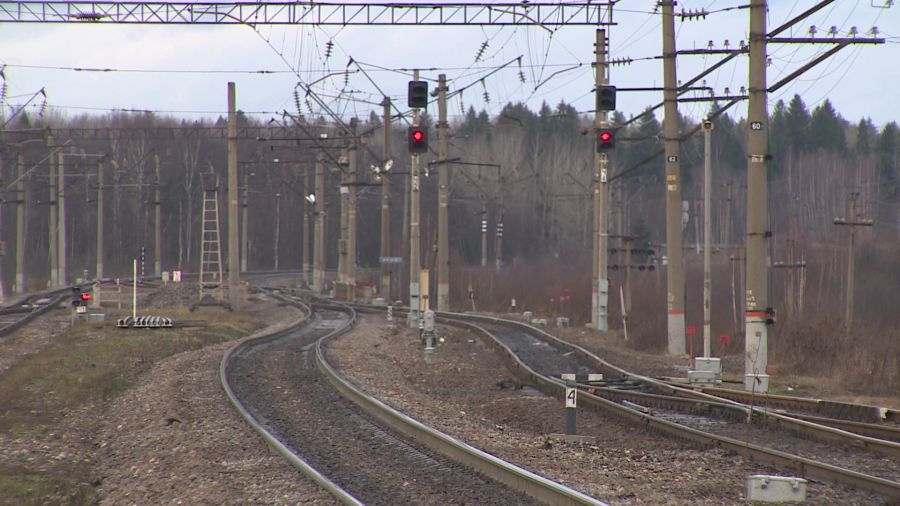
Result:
[268,436]
[555,387]
[515,477]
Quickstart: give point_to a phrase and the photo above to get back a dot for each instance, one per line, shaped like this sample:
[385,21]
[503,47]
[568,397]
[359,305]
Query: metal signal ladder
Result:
[211,251]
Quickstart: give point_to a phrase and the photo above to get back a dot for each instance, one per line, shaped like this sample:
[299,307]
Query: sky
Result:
[183,70]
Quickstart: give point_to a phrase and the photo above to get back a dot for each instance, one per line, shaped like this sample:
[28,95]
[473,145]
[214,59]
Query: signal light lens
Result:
[418,135]
[605,136]
[85,296]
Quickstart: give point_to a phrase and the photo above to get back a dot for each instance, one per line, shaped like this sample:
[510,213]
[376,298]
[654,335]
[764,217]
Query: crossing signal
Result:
[418,94]
[606,98]
[417,138]
[606,139]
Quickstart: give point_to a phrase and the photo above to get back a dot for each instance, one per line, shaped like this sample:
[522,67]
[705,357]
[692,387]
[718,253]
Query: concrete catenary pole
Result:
[343,248]
[707,239]
[307,186]
[61,223]
[245,204]
[443,267]
[100,226]
[234,288]
[484,231]
[498,237]
[54,267]
[157,222]
[600,288]
[675,268]
[277,240]
[20,222]
[353,159]
[386,269]
[757,291]
[415,267]
[319,235]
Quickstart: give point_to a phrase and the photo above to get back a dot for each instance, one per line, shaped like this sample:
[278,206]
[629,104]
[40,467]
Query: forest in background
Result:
[542,190]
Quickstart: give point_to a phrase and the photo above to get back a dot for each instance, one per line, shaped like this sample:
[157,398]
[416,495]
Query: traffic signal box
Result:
[418,94]
[417,139]
[80,298]
[606,98]
[606,139]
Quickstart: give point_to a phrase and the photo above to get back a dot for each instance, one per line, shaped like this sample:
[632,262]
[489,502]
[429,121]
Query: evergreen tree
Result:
[796,131]
[865,135]
[826,129]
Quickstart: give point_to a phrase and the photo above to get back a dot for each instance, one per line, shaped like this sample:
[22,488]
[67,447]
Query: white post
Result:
[134,292]
[707,240]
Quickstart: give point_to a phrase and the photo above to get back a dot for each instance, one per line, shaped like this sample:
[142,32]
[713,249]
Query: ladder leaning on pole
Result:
[211,251]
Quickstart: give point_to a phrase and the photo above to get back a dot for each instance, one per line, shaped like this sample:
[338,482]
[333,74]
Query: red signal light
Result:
[605,136]
[418,135]
[606,140]
[85,296]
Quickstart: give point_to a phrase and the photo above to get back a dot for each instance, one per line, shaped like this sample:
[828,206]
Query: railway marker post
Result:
[571,404]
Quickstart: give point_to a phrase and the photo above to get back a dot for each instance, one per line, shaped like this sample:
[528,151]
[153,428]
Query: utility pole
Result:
[443,267]
[484,230]
[20,221]
[342,288]
[757,301]
[100,228]
[600,288]
[675,284]
[498,240]
[54,267]
[319,235]
[851,222]
[386,269]
[157,222]
[277,241]
[307,186]
[61,223]
[414,265]
[245,239]
[234,288]
[707,239]
[353,157]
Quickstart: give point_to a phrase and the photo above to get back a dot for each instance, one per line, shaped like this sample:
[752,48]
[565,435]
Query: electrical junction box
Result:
[756,383]
[527,316]
[696,377]
[708,364]
[765,488]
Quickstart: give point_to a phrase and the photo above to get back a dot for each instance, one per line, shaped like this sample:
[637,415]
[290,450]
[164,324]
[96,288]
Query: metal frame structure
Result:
[309,13]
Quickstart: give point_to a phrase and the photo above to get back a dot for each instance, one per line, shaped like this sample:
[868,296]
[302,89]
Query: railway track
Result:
[801,446]
[16,314]
[358,448]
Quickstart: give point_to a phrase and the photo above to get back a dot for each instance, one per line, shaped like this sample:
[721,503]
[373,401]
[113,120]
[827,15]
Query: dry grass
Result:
[88,365]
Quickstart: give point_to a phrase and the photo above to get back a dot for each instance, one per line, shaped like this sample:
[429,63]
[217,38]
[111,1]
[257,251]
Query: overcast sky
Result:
[183,70]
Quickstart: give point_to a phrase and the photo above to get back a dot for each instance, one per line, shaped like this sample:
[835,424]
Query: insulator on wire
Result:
[328,47]
[481,50]
[297,102]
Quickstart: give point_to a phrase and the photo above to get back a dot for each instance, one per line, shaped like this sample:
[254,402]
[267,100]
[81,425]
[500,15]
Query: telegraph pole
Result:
[498,240]
[484,230]
[675,268]
[386,205]
[443,267]
[757,288]
[20,221]
[157,222]
[707,240]
[851,222]
[600,289]
[319,235]
[414,265]
[234,289]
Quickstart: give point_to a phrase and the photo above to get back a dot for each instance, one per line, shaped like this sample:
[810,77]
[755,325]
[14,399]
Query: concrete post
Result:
[600,288]
[61,223]
[20,222]
[443,260]
[707,238]
[675,267]
[414,262]
[157,222]
[100,225]
[386,205]
[234,288]
[757,287]
[319,233]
